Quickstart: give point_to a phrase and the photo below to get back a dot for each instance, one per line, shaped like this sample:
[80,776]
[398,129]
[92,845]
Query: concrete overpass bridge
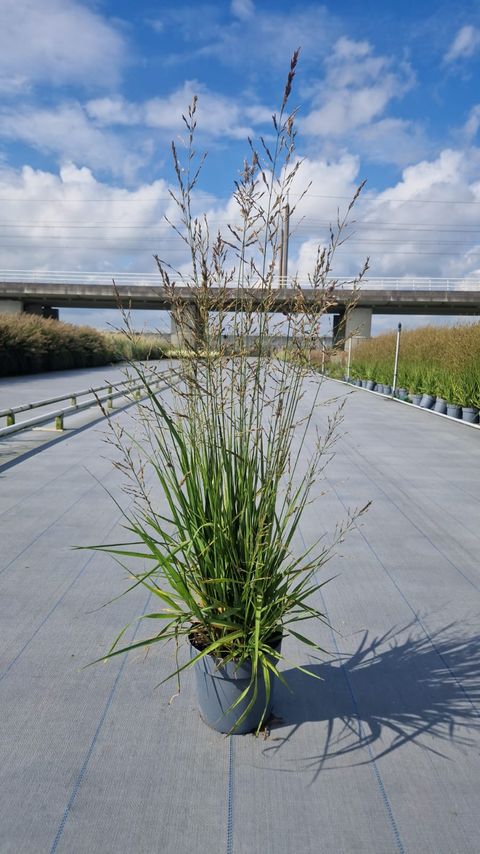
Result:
[45,292]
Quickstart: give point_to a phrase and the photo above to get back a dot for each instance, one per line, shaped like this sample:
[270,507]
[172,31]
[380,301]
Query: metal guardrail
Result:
[418,283]
[10,413]
[58,415]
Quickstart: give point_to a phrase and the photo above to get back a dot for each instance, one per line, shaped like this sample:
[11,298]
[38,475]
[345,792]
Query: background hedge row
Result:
[30,344]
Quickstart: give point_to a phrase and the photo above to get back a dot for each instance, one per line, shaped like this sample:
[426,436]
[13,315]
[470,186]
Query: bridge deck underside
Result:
[380,756]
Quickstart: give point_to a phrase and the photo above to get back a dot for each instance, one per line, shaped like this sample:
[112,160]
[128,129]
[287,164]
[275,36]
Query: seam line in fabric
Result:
[54,607]
[378,777]
[230,795]
[83,769]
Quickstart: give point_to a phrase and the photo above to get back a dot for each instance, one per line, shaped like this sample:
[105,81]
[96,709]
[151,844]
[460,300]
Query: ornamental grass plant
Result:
[222,469]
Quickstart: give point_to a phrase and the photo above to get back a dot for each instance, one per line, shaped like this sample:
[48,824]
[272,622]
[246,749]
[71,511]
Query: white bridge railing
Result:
[384,283]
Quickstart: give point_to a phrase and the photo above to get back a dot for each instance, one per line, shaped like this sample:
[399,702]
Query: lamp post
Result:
[349,358]
[284,246]
[397,351]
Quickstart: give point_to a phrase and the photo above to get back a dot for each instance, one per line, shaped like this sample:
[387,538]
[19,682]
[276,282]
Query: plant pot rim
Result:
[274,642]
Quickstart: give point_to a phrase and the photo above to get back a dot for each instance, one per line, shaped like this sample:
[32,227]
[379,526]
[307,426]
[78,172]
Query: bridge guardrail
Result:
[413,283]
[58,415]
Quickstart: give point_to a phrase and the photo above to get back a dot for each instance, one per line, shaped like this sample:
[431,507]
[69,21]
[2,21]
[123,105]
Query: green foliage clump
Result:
[31,344]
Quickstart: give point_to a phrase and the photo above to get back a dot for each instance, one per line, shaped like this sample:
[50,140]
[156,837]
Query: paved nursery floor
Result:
[382,756]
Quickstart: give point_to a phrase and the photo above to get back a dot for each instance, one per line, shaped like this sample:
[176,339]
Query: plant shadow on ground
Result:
[394,690]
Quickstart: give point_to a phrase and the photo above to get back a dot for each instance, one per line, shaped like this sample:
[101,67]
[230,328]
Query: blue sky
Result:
[91,93]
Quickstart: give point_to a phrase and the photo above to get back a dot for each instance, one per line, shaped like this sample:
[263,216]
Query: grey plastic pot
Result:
[387,389]
[440,406]
[370,385]
[416,398]
[220,685]
[454,411]
[427,401]
[470,414]
[402,393]
[379,388]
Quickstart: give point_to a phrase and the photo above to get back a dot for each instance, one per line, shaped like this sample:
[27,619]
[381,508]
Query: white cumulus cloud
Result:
[464,45]
[243,9]
[67,133]
[357,88]
[425,224]
[217,115]
[58,41]
[70,220]
[472,124]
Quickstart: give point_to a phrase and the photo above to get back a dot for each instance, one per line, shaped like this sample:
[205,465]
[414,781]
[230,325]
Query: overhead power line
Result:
[130,250]
[173,240]
[216,202]
[304,225]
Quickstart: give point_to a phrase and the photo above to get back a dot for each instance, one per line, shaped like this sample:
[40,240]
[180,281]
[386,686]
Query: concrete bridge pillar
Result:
[358,325]
[11,306]
[355,324]
[187,330]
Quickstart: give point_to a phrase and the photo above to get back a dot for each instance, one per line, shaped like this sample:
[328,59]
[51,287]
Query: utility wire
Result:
[130,250]
[215,202]
[309,225]
[176,241]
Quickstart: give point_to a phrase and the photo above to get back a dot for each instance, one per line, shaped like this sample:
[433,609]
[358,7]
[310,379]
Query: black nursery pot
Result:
[219,685]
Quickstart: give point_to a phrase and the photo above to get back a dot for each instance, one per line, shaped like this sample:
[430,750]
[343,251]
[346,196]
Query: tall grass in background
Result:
[440,360]
[30,344]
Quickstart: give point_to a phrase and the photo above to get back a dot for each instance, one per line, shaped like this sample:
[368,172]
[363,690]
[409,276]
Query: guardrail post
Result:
[137,394]
[73,401]
[110,398]
[10,419]
[59,422]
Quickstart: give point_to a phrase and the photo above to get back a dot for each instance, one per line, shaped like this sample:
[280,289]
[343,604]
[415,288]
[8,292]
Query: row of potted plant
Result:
[454,404]
[438,367]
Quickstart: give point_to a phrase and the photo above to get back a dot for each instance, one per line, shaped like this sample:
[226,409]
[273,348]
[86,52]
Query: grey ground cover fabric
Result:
[382,755]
